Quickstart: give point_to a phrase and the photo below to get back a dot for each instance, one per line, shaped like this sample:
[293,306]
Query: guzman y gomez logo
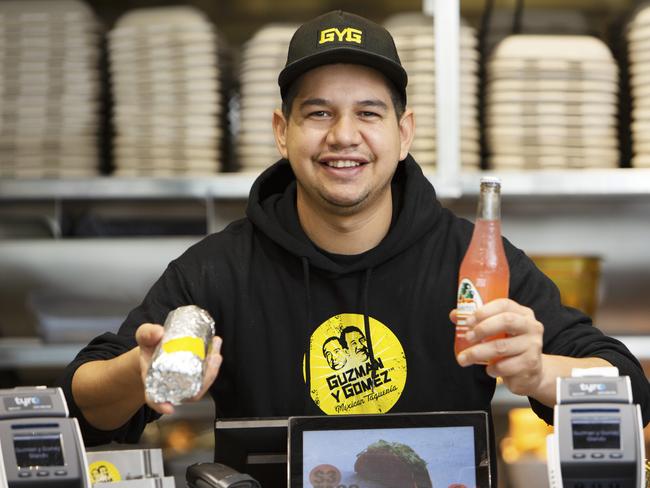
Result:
[342,379]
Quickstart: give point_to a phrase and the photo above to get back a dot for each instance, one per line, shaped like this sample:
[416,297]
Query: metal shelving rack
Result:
[625,182]
[633,182]
[449,181]
[226,186]
[621,182]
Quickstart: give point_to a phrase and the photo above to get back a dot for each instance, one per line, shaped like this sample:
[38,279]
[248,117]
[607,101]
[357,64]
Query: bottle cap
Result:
[491,179]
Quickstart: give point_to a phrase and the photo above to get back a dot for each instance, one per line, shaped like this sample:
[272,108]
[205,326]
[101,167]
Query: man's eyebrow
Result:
[373,103]
[314,101]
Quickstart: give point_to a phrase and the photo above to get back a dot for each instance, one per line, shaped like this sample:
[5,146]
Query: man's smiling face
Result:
[343,138]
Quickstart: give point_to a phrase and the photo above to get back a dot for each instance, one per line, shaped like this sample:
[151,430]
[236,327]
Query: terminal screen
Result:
[601,434]
[43,450]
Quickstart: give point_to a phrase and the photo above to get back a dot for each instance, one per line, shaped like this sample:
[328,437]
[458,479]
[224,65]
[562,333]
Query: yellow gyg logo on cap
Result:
[333,34]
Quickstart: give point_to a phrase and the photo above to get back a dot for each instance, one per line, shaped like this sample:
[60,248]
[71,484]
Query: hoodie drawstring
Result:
[305,274]
[366,324]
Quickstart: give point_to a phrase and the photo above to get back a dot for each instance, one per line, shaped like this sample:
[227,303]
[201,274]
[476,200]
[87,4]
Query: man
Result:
[343,231]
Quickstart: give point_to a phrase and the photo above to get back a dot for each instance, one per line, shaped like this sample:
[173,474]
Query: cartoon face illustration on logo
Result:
[103,472]
[355,341]
[343,379]
[335,353]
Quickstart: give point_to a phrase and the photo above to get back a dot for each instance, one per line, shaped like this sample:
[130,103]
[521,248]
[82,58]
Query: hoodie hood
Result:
[272,209]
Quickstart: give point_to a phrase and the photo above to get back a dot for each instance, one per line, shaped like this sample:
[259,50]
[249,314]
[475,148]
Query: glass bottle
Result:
[484,274]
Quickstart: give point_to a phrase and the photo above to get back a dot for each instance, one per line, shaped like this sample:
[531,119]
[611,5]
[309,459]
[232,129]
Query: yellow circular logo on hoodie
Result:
[342,378]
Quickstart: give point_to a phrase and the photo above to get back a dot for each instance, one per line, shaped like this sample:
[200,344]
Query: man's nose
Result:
[344,132]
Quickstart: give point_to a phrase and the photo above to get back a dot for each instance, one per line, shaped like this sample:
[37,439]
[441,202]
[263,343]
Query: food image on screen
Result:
[409,457]
[394,465]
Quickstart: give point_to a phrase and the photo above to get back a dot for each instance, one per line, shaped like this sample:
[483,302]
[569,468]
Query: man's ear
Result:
[406,132]
[280,132]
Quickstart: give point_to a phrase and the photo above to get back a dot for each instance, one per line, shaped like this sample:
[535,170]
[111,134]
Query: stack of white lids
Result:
[49,89]
[638,35]
[263,57]
[542,20]
[414,39]
[166,86]
[552,102]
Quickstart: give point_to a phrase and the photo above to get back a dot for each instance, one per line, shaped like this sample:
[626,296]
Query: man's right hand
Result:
[148,336]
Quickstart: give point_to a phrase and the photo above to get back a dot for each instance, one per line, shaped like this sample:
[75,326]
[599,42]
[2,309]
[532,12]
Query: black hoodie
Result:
[377,324]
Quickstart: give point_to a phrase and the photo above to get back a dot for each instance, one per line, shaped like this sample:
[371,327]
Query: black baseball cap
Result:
[341,37]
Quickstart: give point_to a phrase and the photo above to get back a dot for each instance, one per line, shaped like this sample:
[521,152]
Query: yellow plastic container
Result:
[526,436]
[577,277]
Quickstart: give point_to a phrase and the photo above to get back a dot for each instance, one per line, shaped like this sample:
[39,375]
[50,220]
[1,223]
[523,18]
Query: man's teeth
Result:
[342,164]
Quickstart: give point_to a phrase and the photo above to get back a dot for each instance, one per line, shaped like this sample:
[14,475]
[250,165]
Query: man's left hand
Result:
[517,358]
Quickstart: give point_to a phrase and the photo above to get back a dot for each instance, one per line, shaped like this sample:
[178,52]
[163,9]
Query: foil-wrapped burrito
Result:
[178,363]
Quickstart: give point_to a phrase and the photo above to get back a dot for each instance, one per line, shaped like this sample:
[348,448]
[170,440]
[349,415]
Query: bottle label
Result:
[469,300]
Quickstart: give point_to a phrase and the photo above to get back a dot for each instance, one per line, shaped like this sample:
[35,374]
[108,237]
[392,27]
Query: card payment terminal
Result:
[40,447]
[598,439]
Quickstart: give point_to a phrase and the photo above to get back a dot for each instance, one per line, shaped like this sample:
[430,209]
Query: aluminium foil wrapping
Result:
[178,363]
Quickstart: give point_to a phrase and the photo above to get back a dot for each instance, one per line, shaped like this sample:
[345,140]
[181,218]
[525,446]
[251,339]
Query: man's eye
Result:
[368,114]
[318,114]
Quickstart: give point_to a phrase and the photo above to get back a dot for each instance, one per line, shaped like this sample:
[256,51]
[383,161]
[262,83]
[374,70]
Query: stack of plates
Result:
[638,35]
[49,89]
[552,102]
[166,80]
[263,57]
[414,39]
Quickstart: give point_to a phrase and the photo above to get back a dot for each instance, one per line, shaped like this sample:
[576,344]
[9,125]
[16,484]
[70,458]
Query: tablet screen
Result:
[368,458]
[421,450]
